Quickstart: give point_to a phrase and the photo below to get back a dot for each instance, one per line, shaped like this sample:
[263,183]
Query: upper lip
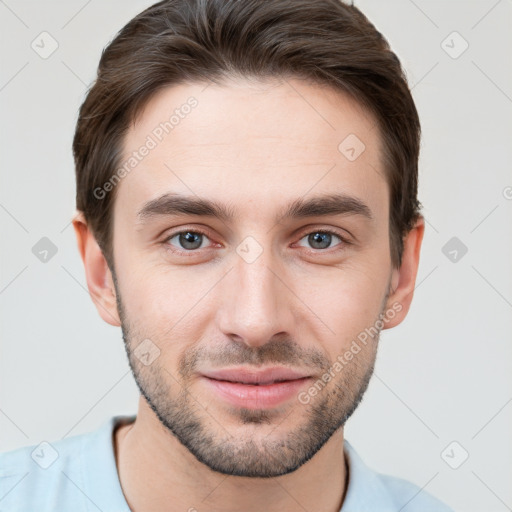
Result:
[252,376]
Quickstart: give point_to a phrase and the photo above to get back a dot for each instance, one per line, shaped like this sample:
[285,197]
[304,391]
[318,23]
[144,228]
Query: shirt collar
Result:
[364,491]
[100,476]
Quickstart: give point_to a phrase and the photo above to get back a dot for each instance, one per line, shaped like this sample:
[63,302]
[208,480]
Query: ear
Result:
[97,272]
[403,279]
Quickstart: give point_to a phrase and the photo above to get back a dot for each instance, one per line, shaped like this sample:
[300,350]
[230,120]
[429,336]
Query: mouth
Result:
[263,383]
[244,375]
[252,389]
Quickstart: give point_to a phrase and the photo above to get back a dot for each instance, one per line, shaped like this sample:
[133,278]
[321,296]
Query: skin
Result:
[256,146]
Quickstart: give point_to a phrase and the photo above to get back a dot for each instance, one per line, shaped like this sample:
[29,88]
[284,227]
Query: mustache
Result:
[279,350]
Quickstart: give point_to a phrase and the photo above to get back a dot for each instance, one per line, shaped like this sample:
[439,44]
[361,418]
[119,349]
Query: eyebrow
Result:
[322,205]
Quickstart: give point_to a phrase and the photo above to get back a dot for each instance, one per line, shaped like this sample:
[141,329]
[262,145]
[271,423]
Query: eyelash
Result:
[192,252]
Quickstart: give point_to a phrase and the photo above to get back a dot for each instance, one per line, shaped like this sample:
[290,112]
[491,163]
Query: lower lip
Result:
[256,397]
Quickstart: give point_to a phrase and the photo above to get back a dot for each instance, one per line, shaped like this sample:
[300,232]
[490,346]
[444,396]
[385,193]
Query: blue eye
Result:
[188,240]
[322,239]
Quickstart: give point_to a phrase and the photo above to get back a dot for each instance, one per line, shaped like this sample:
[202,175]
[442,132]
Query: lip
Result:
[256,389]
[245,375]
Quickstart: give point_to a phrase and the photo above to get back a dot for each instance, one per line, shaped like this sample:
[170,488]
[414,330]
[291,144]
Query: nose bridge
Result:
[254,305]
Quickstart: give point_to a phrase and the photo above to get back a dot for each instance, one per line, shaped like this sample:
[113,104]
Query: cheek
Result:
[164,301]
[167,302]
[165,309]
[347,300]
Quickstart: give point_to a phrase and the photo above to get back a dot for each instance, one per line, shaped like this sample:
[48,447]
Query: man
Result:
[248,215]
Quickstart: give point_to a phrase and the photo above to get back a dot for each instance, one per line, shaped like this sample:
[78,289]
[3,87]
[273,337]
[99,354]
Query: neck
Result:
[157,472]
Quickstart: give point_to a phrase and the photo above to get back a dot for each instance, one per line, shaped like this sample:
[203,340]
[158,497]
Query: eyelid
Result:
[185,229]
[304,231]
[342,233]
[338,247]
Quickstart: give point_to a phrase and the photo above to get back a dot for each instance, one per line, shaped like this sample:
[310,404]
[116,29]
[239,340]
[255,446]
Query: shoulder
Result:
[60,475]
[31,476]
[369,490]
[409,497]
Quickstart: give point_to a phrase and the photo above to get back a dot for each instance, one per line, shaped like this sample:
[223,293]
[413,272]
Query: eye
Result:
[321,239]
[187,240]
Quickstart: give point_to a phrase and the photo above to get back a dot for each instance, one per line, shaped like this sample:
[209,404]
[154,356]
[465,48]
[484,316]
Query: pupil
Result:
[320,238]
[189,240]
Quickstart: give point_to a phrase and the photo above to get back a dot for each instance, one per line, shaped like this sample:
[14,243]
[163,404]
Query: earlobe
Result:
[98,275]
[403,280]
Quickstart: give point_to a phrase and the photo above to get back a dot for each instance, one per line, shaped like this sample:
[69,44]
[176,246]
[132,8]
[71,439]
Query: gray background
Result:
[444,375]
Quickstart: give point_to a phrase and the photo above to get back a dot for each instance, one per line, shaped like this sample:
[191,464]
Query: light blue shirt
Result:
[79,474]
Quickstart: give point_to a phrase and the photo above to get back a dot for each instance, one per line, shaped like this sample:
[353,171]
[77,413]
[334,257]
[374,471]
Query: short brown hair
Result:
[177,41]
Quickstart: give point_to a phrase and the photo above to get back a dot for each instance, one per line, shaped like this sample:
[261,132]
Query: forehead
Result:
[255,144]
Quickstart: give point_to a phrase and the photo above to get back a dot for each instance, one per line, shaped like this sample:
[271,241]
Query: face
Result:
[248,239]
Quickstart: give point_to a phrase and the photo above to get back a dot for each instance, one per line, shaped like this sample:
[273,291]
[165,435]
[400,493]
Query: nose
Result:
[255,302]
